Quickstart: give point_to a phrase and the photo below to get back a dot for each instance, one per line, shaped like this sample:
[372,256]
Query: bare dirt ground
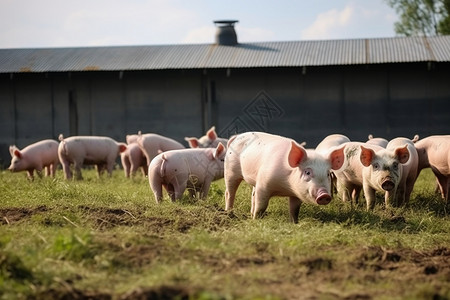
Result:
[315,277]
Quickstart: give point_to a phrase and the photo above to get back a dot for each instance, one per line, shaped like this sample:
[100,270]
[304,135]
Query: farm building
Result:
[302,89]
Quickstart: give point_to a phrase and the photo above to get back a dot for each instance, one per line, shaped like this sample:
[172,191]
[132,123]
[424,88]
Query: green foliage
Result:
[108,238]
[422,17]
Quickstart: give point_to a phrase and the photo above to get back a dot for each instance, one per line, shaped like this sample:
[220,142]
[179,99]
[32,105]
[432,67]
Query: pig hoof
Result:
[388,185]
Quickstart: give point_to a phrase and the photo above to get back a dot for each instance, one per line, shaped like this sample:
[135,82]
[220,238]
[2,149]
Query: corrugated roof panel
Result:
[440,47]
[247,55]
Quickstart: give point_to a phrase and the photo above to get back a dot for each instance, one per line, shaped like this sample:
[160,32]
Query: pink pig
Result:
[133,158]
[43,154]
[278,166]
[90,150]
[434,153]
[210,140]
[408,173]
[153,144]
[194,169]
[382,142]
[371,168]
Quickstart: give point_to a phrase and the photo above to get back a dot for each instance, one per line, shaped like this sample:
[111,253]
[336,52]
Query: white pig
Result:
[210,140]
[408,174]
[42,154]
[194,169]
[434,153]
[371,168]
[153,144]
[88,150]
[326,146]
[382,142]
[133,158]
[278,166]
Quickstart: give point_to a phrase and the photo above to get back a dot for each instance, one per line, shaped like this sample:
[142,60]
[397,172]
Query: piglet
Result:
[88,150]
[210,140]
[379,141]
[194,169]
[408,173]
[133,158]
[278,166]
[153,144]
[371,168]
[434,153]
[43,154]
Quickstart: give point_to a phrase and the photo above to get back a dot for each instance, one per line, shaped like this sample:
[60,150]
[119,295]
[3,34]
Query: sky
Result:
[87,23]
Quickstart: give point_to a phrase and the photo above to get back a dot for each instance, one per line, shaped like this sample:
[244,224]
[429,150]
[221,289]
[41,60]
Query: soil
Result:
[314,277]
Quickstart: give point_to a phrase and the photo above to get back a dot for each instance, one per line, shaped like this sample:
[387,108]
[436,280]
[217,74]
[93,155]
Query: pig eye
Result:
[376,166]
[308,173]
[395,165]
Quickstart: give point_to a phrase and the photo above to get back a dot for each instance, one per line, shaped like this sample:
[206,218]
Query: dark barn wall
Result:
[303,103]
[383,100]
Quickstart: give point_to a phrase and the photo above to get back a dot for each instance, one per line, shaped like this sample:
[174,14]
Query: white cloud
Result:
[203,35]
[327,23]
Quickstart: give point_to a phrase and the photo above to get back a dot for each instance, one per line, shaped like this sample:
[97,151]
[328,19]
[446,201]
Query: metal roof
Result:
[244,55]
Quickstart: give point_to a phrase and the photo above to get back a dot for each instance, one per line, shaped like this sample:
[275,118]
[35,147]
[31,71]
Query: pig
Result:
[194,169]
[153,144]
[434,153]
[408,174]
[90,150]
[278,166]
[328,144]
[210,140]
[133,158]
[42,154]
[331,141]
[382,142]
[371,168]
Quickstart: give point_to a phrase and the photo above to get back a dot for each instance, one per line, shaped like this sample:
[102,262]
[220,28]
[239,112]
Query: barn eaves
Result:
[239,55]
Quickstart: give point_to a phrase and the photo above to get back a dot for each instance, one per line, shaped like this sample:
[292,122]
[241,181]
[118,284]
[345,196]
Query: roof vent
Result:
[225,33]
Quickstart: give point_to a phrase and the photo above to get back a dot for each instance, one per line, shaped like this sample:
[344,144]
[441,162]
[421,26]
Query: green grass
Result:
[108,239]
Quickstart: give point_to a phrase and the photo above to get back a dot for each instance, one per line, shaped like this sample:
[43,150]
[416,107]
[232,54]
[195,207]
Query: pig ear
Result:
[366,156]
[193,142]
[212,133]
[122,147]
[402,154]
[296,155]
[12,148]
[17,153]
[219,150]
[337,158]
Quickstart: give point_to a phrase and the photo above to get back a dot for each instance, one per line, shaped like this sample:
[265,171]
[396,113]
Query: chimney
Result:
[225,33]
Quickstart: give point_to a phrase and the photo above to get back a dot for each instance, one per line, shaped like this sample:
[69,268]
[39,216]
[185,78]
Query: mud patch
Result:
[163,292]
[12,215]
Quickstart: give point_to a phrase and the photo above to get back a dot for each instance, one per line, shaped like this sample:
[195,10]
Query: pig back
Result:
[90,148]
[257,154]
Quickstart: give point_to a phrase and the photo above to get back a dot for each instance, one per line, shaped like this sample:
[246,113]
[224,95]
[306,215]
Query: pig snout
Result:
[322,197]
[388,185]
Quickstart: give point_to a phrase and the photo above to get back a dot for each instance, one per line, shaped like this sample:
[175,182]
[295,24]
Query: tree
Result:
[422,17]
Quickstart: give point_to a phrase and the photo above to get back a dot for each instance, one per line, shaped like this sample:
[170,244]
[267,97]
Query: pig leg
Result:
[109,168]
[369,193]
[66,169]
[444,183]
[261,202]
[252,209]
[77,167]
[156,187]
[231,186]
[204,190]
[126,165]
[294,208]
[30,174]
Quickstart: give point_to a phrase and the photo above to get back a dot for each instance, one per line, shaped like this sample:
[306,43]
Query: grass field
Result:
[107,239]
